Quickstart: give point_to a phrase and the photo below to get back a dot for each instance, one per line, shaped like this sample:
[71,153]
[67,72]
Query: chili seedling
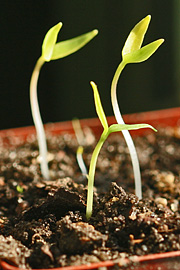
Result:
[106,132]
[51,51]
[133,53]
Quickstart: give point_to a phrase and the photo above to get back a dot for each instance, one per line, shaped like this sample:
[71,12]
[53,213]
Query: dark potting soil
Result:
[43,223]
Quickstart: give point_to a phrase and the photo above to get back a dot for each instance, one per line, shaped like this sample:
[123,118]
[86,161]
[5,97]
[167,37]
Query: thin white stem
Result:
[80,139]
[37,119]
[80,160]
[126,134]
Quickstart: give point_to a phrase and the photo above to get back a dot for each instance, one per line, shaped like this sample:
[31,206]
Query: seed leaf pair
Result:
[106,132]
[132,51]
[52,50]
[103,119]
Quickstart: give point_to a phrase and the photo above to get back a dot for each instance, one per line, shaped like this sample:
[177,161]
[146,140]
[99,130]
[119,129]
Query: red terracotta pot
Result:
[168,117]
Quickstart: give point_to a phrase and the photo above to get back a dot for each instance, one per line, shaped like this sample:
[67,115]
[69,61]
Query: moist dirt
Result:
[43,222]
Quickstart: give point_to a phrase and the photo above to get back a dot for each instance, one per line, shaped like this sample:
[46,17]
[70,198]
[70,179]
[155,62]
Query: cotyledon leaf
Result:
[49,41]
[64,48]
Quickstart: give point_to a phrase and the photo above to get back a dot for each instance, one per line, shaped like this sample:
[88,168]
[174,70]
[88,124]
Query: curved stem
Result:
[37,118]
[92,173]
[126,134]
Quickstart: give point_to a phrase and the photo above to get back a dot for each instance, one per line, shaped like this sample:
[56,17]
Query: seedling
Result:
[133,53]
[107,130]
[51,51]
[19,189]
[80,139]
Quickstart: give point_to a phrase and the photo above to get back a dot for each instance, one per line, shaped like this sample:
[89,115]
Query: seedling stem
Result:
[132,52]
[41,137]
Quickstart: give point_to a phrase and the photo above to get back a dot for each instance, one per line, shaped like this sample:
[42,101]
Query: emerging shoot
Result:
[80,139]
[107,130]
[51,51]
[133,53]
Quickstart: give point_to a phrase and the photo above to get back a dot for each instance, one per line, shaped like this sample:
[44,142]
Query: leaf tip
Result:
[154,129]
[146,20]
[95,31]
[58,26]
[49,41]
[148,17]
[92,84]
[162,40]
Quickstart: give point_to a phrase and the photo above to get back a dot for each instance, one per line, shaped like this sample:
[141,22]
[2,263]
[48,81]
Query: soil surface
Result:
[43,222]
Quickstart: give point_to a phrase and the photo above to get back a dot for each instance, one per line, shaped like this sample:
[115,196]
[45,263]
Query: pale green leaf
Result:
[49,42]
[99,108]
[144,53]
[64,48]
[136,36]
[120,127]
[19,189]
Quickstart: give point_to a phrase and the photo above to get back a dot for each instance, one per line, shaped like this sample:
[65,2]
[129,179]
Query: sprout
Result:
[80,139]
[80,160]
[19,189]
[51,51]
[107,130]
[133,53]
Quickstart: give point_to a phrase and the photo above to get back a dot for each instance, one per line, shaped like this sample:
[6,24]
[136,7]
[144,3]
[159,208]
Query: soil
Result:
[43,223]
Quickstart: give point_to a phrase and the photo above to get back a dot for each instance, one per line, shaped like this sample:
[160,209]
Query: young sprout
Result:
[80,160]
[106,131]
[80,139]
[51,51]
[19,189]
[133,53]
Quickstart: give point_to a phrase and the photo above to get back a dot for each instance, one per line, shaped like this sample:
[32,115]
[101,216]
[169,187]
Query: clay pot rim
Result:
[150,258]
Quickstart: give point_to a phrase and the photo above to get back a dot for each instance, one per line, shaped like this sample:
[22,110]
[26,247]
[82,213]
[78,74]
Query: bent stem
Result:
[126,134]
[107,130]
[92,173]
[37,118]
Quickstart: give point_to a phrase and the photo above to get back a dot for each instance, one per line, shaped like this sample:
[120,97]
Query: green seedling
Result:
[107,130]
[133,53]
[19,189]
[51,50]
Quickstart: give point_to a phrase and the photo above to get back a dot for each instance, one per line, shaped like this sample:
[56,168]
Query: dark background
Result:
[64,91]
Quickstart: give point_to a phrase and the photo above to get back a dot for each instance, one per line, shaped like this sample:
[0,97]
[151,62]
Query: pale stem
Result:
[80,139]
[80,160]
[92,173]
[126,134]
[37,119]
